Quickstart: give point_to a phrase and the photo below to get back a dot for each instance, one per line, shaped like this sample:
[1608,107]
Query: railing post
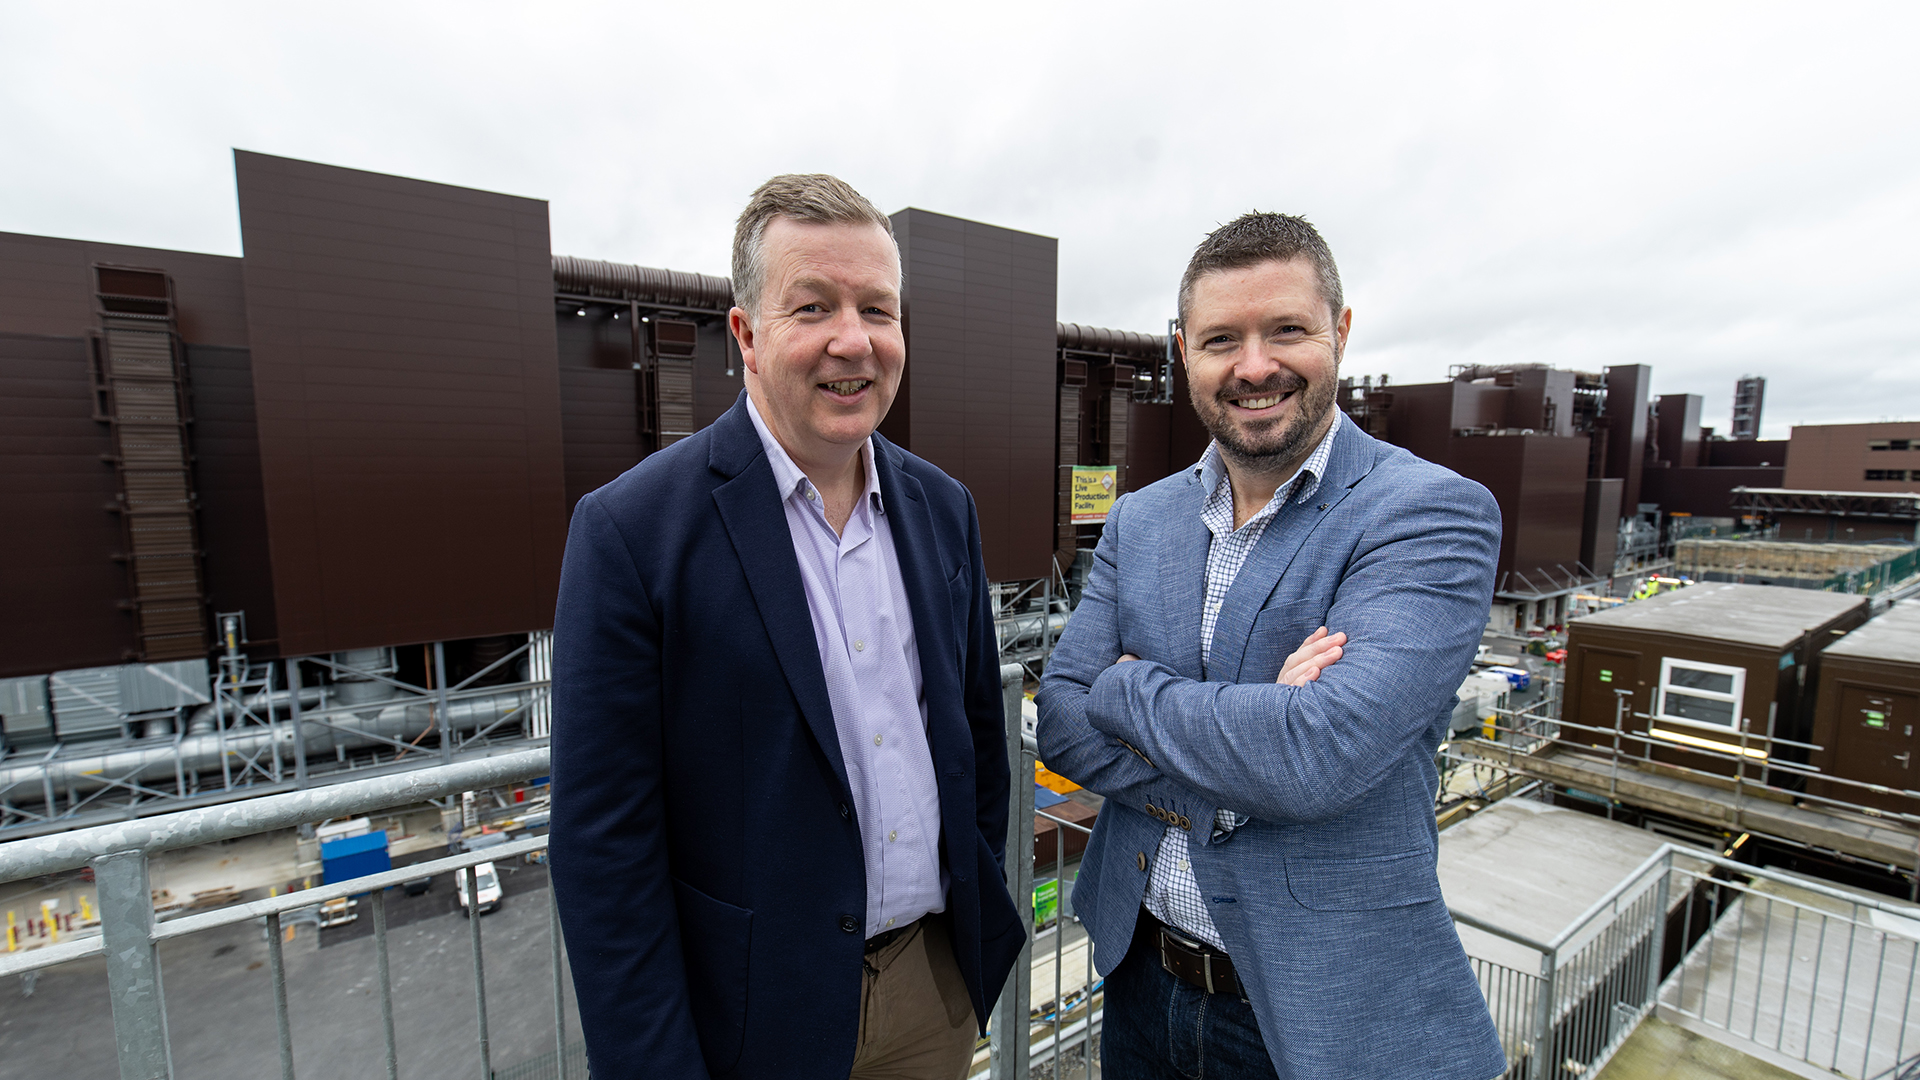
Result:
[299,725]
[1008,1058]
[133,966]
[1657,941]
[440,689]
[1542,1066]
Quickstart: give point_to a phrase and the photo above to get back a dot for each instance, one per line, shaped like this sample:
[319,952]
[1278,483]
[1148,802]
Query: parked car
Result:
[1515,675]
[486,882]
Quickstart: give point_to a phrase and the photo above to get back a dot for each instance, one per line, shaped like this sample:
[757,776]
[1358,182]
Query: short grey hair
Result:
[814,198]
[1252,239]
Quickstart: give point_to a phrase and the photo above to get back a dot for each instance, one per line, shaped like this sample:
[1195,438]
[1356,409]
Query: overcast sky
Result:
[1714,189]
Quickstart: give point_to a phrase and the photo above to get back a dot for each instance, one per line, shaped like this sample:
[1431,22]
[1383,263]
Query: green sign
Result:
[1046,901]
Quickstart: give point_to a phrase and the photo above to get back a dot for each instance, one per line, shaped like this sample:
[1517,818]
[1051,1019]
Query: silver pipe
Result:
[1013,629]
[155,763]
[51,854]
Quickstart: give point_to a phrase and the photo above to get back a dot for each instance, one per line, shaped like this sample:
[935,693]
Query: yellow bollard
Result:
[86,909]
[13,934]
[53,925]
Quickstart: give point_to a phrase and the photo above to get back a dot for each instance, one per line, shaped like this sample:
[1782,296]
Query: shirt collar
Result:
[787,476]
[1211,469]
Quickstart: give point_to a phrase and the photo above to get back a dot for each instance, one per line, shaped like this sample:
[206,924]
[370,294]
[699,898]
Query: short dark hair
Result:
[815,198]
[1252,239]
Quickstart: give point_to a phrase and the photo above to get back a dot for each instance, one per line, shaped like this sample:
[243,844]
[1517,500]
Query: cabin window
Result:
[1693,692]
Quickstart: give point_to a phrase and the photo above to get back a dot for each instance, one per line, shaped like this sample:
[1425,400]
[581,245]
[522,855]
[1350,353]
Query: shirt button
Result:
[859,646]
[876,740]
[889,922]
[893,835]
[849,923]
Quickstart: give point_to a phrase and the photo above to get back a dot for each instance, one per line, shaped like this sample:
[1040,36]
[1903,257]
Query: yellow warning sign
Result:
[1093,487]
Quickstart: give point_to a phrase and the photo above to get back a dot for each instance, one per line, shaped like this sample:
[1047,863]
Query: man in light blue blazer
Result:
[1260,885]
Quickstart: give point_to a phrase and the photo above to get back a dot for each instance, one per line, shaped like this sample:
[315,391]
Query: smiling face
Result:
[825,351]
[1262,351]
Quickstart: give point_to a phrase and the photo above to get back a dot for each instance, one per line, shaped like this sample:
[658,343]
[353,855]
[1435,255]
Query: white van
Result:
[486,887]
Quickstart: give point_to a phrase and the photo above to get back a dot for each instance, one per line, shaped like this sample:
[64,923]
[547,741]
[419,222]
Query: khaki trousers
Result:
[916,1021]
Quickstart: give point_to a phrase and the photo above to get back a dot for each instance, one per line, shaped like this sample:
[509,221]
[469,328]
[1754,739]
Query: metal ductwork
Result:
[1099,339]
[643,284]
[162,761]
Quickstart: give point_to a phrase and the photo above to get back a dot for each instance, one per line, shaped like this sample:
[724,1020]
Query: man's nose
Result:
[849,339]
[1255,363]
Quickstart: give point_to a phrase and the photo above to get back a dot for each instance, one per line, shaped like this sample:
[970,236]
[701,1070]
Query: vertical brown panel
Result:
[979,400]
[60,587]
[233,509]
[407,389]
[599,398]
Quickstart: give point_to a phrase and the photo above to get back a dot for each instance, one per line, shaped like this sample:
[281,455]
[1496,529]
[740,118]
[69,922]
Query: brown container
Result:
[1048,833]
[407,395]
[1867,718]
[1706,663]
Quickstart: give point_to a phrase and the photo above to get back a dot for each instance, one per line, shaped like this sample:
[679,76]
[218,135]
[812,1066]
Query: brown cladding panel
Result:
[61,588]
[1553,493]
[1626,413]
[233,508]
[599,399]
[978,392]
[1148,444]
[408,398]
[46,287]
[1497,464]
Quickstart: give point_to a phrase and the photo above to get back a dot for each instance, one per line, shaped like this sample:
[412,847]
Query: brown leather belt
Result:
[1188,959]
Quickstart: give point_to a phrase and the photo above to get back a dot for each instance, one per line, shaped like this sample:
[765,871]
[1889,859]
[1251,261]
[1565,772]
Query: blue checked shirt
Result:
[1172,894]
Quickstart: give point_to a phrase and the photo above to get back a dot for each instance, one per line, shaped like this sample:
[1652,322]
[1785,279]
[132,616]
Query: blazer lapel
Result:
[1353,457]
[749,507]
[1183,579]
[911,521]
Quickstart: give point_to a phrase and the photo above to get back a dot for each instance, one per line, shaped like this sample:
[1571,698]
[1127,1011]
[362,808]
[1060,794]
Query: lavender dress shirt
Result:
[864,631]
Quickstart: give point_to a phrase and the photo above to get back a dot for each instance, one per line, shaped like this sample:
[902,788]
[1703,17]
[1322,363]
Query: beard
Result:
[1268,445]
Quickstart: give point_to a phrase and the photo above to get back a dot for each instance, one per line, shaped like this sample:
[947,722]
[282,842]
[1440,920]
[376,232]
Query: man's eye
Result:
[808,309]
[1218,340]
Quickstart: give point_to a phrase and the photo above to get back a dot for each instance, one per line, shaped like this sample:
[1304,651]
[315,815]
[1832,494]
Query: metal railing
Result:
[1749,774]
[130,932]
[1776,963]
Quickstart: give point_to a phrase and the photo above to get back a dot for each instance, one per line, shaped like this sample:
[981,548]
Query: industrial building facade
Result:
[370,430]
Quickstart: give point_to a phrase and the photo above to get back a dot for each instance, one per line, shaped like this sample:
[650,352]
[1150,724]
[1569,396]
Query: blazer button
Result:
[849,924]
[1186,823]
[1140,860]
[844,812]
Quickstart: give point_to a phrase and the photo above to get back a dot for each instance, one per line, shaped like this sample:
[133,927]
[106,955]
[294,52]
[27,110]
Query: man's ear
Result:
[1341,329]
[742,329]
[1180,343]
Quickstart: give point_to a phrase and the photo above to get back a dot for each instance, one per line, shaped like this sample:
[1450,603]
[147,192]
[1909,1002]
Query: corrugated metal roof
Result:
[1893,636]
[1760,615]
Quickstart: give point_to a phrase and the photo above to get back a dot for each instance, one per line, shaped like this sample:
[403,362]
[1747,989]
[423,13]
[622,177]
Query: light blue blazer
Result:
[1327,900]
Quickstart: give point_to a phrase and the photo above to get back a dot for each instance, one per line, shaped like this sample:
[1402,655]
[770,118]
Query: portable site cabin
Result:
[1867,713]
[1706,663]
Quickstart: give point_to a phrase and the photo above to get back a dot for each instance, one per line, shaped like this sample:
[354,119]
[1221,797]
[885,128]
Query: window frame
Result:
[1739,674]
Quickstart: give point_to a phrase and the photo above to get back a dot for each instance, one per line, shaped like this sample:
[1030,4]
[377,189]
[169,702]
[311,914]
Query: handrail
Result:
[52,854]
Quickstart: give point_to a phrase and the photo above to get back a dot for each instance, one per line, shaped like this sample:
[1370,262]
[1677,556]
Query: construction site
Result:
[287,528]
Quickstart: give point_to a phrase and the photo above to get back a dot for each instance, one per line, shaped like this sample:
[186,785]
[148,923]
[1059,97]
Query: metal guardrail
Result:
[130,932]
[1760,954]
[1592,983]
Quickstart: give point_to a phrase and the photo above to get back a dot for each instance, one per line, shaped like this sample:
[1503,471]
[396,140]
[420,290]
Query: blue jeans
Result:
[1158,1027]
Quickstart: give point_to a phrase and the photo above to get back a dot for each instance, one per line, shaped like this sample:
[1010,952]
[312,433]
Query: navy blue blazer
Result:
[705,854]
[1327,900]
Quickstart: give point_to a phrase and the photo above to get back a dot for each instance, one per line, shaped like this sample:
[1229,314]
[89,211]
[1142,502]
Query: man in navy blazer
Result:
[1260,885]
[779,764]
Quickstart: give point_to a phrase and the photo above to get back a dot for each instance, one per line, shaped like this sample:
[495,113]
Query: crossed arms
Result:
[1411,598]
